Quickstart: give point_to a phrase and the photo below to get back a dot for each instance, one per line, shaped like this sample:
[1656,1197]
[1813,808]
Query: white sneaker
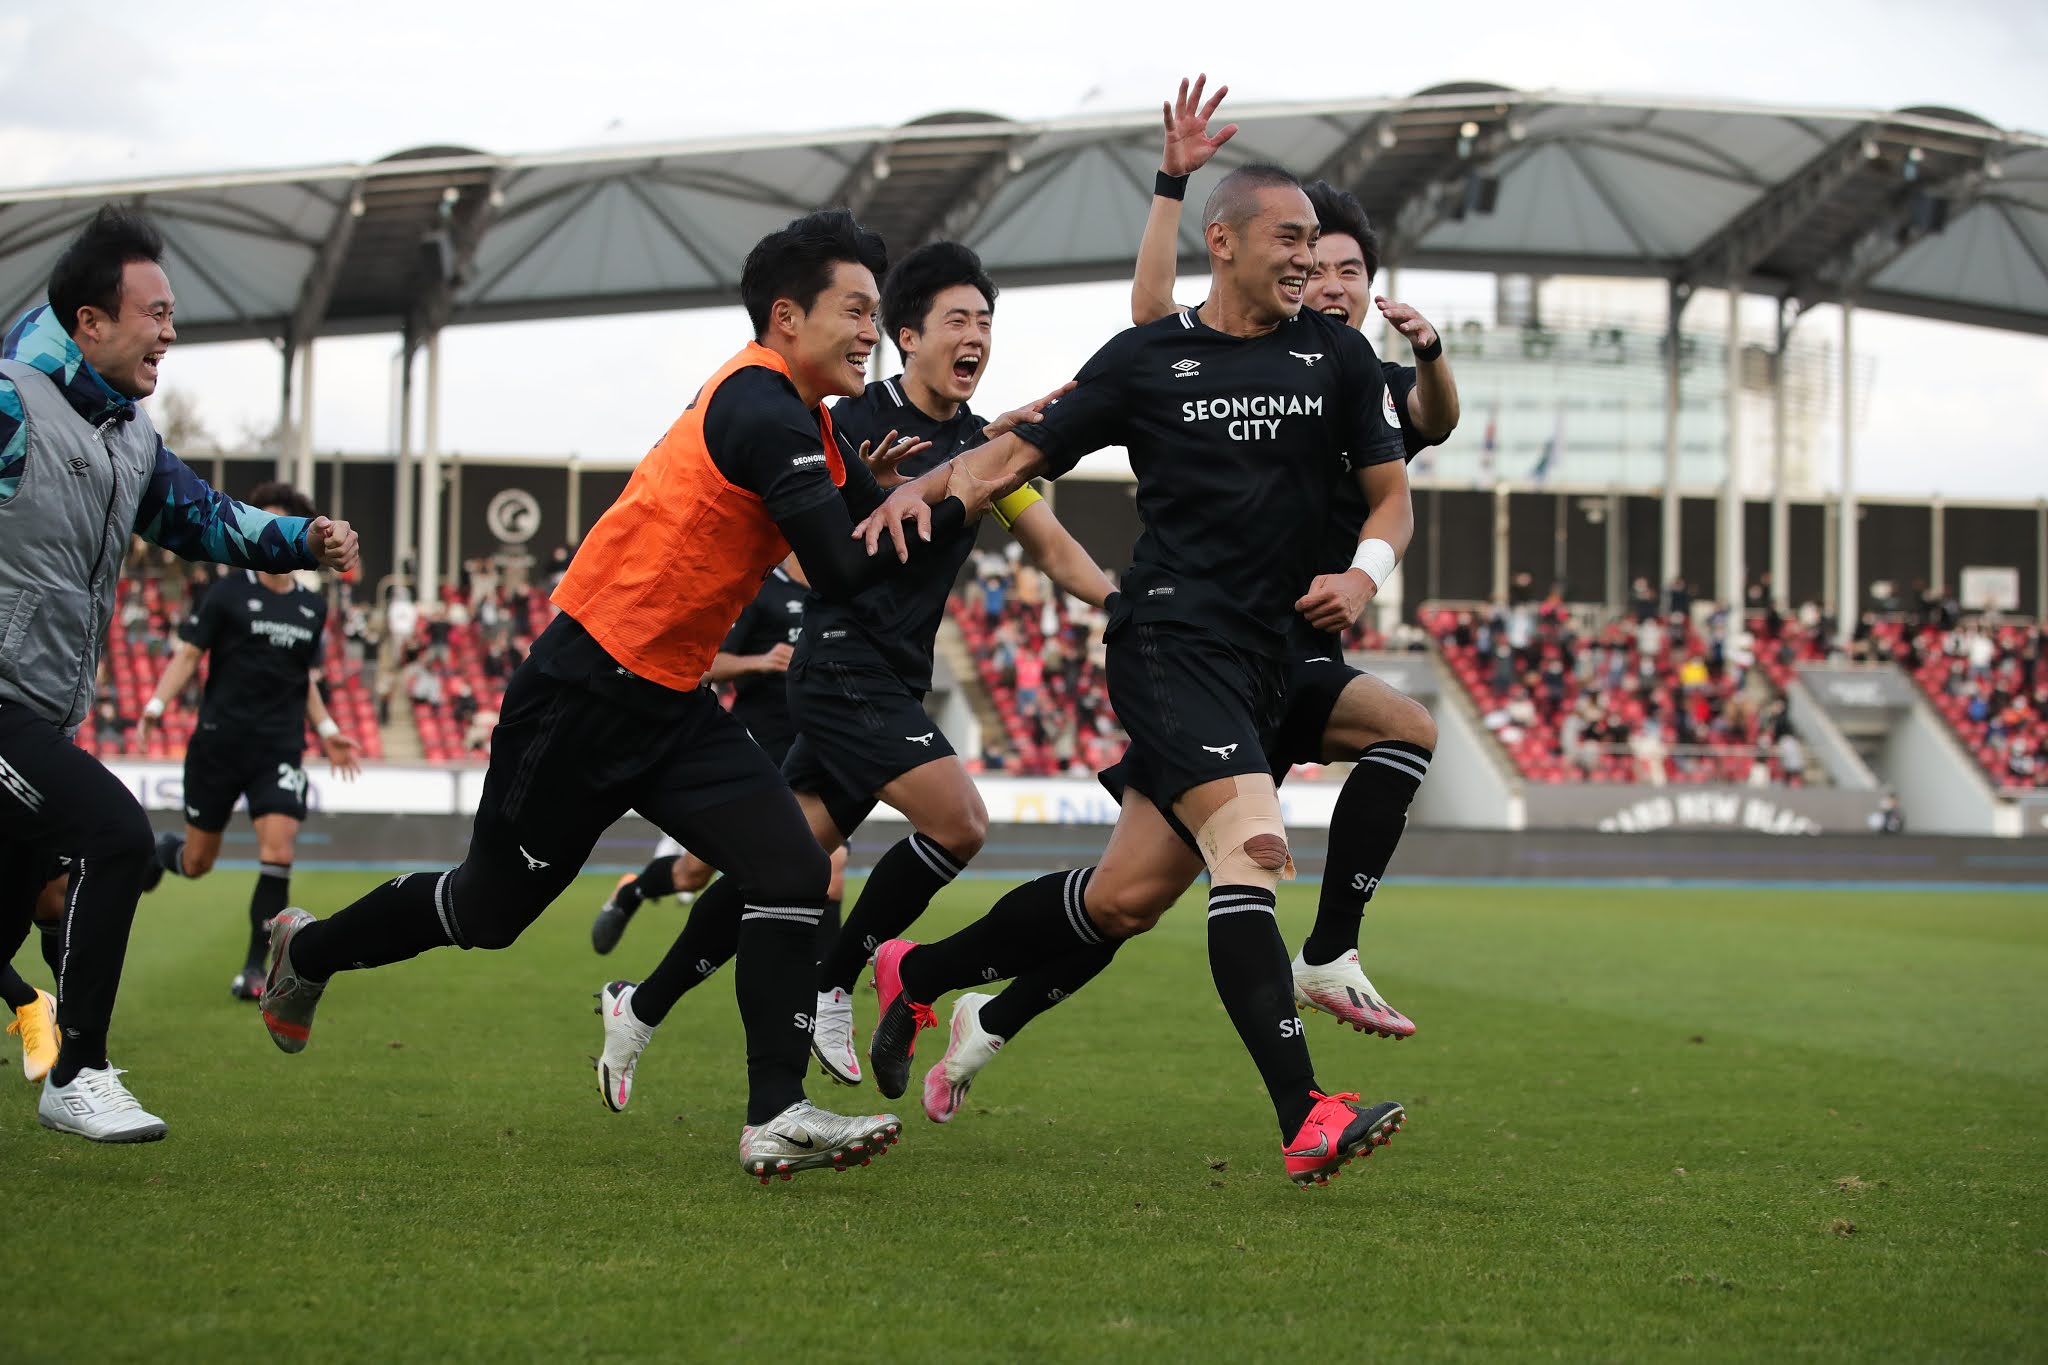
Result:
[970,1048]
[1341,988]
[832,1036]
[804,1137]
[625,1038]
[96,1105]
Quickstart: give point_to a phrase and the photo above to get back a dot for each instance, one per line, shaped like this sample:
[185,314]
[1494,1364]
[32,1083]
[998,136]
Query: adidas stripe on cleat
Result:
[1342,990]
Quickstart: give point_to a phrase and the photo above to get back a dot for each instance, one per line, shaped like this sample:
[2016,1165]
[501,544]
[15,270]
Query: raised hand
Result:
[904,506]
[1407,322]
[1188,144]
[342,756]
[1030,412]
[884,456]
[777,659]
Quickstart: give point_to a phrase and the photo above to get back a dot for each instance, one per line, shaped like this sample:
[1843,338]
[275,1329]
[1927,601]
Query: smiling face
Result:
[127,345]
[829,343]
[949,353]
[1338,285]
[1263,263]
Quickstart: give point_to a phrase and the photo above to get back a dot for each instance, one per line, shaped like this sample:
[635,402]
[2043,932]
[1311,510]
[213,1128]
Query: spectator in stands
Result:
[1642,601]
[558,565]
[463,705]
[109,727]
[1678,597]
[1647,746]
[1792,759]
[423,684]
[1886,819]
[2022,763]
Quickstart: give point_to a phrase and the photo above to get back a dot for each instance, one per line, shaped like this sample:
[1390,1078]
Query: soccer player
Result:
[753,660]
[1335,713]
[81,468]
[1239,417]
[263,633]
[606,714]
[861,670]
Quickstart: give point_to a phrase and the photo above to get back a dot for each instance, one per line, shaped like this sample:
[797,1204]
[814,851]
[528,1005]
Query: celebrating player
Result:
[606,714]
[81,468]
[263,633]
[1239,416]
[859,677]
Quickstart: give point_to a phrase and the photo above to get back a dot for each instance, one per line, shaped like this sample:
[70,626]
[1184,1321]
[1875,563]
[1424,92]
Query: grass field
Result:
[1642,1124]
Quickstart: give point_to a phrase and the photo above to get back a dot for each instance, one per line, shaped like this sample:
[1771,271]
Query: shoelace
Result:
[106,1087]
[30,1028]
[924,1015]
[1347,1097]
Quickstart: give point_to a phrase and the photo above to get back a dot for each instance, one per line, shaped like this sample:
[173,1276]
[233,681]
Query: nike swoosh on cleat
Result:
[1322,1148]
[807,1143]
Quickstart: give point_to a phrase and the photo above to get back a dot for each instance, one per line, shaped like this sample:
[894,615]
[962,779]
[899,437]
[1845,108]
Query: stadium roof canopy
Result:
[1929,212]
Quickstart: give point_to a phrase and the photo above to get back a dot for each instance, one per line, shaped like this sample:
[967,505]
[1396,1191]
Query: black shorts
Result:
[219,770]
[1313,686]
[566,763]
[1196,707]
[859,728]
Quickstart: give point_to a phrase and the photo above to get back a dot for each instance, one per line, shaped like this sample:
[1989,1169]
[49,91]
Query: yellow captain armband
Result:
[1011,507]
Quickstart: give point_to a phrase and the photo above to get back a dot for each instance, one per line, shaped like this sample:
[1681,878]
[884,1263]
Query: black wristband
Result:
[1425,354]
[1174,187]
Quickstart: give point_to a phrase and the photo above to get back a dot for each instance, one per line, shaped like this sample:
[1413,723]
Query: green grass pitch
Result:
[1707,1124]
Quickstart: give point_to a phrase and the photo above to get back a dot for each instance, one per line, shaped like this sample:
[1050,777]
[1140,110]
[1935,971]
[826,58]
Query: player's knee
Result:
[197,862]
[836,890]
[1412,722]
[1128,908]
[123,833]
[1245,842]
[961,833]
[691,873]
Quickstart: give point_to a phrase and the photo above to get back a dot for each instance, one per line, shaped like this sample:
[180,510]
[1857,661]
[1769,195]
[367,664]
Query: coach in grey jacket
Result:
[80,468]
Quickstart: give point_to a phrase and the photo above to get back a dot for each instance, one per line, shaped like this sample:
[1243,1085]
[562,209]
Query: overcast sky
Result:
[127,89]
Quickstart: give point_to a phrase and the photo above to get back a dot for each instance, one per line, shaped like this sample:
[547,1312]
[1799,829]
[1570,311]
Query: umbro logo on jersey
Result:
[78,464]
[1185,369]
[533,864]
[307,612]
[924,739]
[795,608]
[1307,358]
[1223,751]
[255,604]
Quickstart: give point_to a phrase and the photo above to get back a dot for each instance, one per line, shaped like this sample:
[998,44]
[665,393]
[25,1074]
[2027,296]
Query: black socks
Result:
[1365,827]
[710,938]
[899,890]
[1255,981]
[1031,926]
[272,894]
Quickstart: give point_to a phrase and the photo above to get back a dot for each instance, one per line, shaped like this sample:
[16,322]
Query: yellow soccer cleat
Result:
[36,1022]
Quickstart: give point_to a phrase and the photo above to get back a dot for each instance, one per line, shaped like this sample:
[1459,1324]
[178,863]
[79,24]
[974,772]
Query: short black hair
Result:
[1339,211]
[88,274]
[920,277]
[796,262]
[1235,198]
[277,493]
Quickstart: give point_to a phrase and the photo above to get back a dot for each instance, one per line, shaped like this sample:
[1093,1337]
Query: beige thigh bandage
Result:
[1245,842]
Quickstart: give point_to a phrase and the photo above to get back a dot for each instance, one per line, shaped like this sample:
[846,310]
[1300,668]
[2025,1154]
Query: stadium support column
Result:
[452,569]
[1731,558]
[1937,544]
[430,479]
[572,534]
[1500,542]
[1781,509]
[1668,549]
[401,531]
[1617,552]
[302,479]
[283,472]
[1848,581]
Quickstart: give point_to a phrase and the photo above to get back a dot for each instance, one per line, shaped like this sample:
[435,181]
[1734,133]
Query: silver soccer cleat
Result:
[804,1137]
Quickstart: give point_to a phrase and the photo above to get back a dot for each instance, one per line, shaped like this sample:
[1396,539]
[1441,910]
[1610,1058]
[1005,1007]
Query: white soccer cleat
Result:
[625,1038]
[1340,988]
[804,1137]
[832,1037]
[97,1106]
[970,1048]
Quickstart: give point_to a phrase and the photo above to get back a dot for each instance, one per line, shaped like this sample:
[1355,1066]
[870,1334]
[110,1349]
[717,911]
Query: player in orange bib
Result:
[607,714]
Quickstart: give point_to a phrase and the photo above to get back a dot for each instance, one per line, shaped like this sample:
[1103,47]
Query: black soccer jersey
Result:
[1348,511]
[261,645]
[775,617]
[1236,442]
[898,618]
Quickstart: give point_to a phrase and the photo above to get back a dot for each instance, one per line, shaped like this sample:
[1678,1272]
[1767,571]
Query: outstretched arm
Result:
[184,663]
[1188,148]
[973,479]
[1052,547]
[341,749]
[183,513]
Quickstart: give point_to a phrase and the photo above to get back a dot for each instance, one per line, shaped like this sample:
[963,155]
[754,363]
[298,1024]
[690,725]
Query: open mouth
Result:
[1337,311]
[1291,286]
[857,361]
[966,368]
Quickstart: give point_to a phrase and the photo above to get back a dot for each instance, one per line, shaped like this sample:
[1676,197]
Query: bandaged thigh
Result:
[1245,842]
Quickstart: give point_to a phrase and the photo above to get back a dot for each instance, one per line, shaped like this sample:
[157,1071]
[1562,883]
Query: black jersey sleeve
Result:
[1095,414]
[838,566]
[1367,437]
[1400,383]
[763,439]
[735,641]
[203,628]
[861,493]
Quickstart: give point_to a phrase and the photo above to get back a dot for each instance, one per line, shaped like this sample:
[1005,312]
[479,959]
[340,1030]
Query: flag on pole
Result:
[1489,445]
[1553,452]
